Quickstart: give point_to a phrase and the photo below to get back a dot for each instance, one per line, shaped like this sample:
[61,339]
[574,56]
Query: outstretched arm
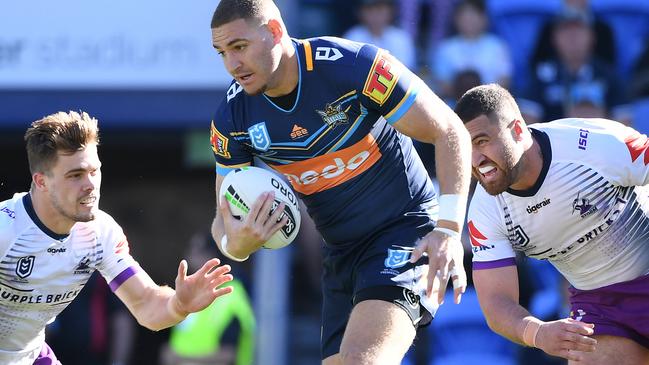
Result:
[157,307]
[430,120]
[498,295]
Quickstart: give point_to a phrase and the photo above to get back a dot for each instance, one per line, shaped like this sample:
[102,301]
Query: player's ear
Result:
[38,180]
[275,28]
[518,129]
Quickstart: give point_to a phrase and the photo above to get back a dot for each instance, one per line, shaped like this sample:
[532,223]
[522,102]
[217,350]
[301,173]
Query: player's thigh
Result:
[615,350]
[378,332]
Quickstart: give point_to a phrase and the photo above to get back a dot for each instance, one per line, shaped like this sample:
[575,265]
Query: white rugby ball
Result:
[243,186]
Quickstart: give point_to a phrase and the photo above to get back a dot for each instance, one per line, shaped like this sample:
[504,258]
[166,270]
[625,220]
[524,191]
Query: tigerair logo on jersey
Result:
[637,144]
[531,209]
[330,170]
[475,236]
[219,142]
[334,115]
[383,77]
[298,132]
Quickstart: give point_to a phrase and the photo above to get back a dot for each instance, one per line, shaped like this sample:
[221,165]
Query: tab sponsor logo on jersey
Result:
[332,169]
[298,132]
[219,142]
[475,236]
[383,77]
[259,136]
[637,144]
[24,266]
[583,206]
[531,209]
[334,115]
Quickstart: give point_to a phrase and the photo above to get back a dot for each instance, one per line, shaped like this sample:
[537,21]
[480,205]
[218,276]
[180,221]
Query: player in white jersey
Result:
[53,237]
[573,192]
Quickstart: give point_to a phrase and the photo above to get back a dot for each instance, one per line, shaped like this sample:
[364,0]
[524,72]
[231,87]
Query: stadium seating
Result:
[630,22]
[518,23]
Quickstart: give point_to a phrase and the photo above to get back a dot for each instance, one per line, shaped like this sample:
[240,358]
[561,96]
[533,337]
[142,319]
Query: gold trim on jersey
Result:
[308,55]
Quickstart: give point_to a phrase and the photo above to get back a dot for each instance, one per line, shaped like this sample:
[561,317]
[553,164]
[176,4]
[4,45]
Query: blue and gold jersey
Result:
[353,170]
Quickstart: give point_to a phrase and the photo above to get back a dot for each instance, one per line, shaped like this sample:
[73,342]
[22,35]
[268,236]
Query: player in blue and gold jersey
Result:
[335,117]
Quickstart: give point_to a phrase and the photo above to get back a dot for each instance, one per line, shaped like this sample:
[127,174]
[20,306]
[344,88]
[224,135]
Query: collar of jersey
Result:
[29,208]
[546,151]
[299,83]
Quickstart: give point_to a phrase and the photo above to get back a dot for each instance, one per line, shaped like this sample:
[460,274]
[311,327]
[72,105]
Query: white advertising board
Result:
[101,44]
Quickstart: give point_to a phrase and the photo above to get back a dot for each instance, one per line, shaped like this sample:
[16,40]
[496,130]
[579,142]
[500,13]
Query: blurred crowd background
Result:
[148,72]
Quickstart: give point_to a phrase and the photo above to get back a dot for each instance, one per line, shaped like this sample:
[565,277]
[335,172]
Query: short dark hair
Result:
[231,10]
[491,100]
[58,132]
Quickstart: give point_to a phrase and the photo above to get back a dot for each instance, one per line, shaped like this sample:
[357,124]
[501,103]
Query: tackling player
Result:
[574,192]
[55,236]
[333,116]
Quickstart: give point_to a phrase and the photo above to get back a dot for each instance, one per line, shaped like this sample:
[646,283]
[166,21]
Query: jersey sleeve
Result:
[386,85]
[626,156]
[489,242]
[229,153]
[117,264]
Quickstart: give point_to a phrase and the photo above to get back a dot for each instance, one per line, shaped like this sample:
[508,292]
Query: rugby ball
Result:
[243,186]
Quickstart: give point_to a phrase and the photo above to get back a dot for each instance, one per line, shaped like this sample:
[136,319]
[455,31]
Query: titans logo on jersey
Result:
[336,144]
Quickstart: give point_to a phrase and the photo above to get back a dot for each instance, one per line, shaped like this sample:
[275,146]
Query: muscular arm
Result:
[498,295]
[430,120]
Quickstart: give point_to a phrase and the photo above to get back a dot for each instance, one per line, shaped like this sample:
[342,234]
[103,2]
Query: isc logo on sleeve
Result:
[382,78]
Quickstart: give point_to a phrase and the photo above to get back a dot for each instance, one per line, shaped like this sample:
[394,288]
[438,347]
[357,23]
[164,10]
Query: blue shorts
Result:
[376,268]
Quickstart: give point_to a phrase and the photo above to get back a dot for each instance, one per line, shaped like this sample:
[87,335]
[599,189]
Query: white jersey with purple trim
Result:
[586,214]
[41,272]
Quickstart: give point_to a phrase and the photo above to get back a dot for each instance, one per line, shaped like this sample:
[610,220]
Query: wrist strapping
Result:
[452,207]
[449,232]
[530,332]
[224,250]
